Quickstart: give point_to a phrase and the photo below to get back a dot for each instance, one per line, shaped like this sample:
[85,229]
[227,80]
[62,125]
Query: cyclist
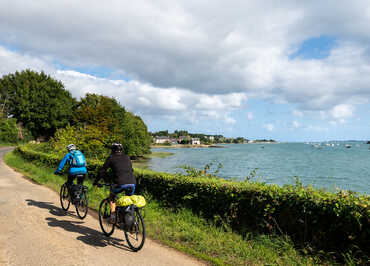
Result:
[77,165]
[123,175]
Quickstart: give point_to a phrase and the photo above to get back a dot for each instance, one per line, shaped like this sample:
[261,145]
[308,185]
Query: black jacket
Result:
[122,169]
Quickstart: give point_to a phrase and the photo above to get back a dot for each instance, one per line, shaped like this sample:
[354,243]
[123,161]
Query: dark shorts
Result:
[116,189]
[80,179]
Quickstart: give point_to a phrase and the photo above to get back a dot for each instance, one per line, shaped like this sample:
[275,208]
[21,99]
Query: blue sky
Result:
[297,71]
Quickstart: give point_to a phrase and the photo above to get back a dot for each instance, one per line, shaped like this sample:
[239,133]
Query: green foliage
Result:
[92,141]
[338,222]
[8,130]
[98,110]
[38,101]
[204,172]
[252,175]
[105,121]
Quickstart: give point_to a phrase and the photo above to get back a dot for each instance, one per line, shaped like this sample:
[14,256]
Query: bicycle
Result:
[134,229]
[81,202]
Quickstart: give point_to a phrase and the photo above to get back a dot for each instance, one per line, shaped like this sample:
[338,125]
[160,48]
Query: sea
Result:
[332,166]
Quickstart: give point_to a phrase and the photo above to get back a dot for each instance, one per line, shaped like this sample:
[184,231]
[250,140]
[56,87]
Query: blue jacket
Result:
[72,170]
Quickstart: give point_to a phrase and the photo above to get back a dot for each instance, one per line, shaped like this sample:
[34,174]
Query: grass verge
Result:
[183,230]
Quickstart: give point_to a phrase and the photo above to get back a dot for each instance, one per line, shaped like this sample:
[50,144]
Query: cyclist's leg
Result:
[80,179]
[70,180]
[112,201]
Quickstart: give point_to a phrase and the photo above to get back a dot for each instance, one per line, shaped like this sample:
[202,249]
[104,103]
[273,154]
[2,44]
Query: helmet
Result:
[116,147]
[71,147]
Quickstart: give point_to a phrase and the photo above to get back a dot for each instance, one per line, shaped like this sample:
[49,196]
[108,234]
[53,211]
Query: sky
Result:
[283,70]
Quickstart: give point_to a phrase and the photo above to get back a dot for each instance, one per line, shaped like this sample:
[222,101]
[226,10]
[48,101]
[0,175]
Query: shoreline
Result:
[188,146]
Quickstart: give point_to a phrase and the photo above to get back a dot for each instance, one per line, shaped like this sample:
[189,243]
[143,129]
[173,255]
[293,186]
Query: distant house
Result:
[181,138]
[211,138]
[195,141]
[162,140]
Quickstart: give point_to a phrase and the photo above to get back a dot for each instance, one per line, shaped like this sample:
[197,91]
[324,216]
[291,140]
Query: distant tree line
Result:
[43,108]
[204,138]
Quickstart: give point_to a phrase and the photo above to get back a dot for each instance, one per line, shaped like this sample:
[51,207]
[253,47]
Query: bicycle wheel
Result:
[136,236]
[82,206]
[104,216]
[64,197]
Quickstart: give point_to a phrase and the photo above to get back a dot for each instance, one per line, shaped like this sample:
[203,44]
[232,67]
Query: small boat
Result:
[348,146]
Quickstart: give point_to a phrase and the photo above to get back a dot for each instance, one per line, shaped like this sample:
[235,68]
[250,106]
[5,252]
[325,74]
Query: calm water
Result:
[328,167]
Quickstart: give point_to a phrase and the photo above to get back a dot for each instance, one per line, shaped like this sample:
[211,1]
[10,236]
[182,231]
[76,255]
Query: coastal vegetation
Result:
[335,223]
[180,228]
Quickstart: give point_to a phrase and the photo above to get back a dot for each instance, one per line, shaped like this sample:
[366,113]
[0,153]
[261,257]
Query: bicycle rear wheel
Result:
[104,217]
[82,206]
[136,236]
[64,197]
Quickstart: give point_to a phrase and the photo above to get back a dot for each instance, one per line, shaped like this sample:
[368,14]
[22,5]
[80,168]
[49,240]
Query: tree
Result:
[134,135]
[114,123]
[38,101]
[101,111]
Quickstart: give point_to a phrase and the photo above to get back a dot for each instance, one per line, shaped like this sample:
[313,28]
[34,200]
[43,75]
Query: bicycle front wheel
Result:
[104,217]
[64,197]
[82,206]
[136,235]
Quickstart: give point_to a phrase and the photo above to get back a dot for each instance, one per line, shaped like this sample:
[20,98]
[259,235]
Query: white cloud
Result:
[297,113]
[149,100]
[342,111]
[296,124]
[250,116]
[171,104]
[188,55]
[269,126]
[227,48]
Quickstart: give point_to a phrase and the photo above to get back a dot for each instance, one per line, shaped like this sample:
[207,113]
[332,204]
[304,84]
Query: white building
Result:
[195,141]
[162,140]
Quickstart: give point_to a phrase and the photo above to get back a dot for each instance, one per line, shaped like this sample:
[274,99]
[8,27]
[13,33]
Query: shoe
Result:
[112,218]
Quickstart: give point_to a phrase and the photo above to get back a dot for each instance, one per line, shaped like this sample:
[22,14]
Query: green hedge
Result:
[337,222]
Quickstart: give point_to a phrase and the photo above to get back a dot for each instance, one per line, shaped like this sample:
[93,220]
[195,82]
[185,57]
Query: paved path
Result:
[34,230]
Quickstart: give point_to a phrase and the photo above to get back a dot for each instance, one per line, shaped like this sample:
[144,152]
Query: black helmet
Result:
[71,147]
[116,147]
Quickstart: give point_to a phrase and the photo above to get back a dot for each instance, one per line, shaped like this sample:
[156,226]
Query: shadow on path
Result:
[87,235]
[54,210]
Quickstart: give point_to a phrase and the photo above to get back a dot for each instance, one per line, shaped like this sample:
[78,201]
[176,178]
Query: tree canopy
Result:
[45,108]
[116,124]
[37,100]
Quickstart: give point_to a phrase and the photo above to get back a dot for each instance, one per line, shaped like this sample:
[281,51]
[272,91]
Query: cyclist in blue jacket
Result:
[77,165]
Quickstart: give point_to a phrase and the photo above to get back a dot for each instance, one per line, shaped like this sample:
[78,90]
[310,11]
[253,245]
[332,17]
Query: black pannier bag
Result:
[76,192]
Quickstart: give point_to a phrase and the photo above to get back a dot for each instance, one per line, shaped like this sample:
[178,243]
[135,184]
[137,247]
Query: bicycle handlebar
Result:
[104,184]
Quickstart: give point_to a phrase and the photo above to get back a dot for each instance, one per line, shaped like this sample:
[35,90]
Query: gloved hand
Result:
[57,172]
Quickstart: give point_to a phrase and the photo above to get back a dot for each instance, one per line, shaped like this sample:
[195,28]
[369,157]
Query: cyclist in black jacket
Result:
[123,175]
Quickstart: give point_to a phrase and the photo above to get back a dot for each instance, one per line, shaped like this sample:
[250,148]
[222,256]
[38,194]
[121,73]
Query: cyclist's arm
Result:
[62,163]
[103,170]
